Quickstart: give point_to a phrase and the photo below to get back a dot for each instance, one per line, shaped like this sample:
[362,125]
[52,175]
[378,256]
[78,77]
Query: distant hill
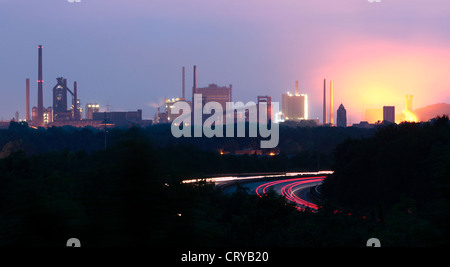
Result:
[429,112]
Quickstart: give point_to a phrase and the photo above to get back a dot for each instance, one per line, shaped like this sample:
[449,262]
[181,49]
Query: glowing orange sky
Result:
[376,74]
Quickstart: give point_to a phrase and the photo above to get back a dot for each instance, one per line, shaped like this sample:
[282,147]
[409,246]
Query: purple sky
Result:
[129,53]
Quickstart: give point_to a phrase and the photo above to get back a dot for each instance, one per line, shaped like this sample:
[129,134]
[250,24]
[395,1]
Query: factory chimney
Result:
[40,111]
[27,100]
[296,88]
[194,88]
[324,120]
[331,103]
[76,113]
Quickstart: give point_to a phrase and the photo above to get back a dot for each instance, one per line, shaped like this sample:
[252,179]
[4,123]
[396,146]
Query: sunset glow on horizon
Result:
[370,75]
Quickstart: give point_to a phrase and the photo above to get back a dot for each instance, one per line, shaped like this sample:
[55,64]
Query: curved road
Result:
[295,186]
[295,190]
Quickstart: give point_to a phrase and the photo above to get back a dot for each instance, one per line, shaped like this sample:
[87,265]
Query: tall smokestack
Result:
[40,111]
[324,120]
[331,103]
[183,83]
[76,114]
[296,88]
[27,100]
[194,88]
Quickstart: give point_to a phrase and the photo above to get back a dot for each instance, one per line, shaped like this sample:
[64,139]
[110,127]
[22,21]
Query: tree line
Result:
[390,183]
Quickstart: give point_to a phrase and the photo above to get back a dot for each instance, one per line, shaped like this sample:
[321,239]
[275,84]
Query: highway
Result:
[294,186]
[295,190]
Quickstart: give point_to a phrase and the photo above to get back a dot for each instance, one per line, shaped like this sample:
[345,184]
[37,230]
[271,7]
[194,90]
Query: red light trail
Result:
[289,189]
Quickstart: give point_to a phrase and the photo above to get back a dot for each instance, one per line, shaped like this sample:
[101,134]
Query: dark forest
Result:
[391,182]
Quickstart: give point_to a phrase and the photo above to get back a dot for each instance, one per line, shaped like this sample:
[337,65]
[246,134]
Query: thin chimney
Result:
[324,119]
[194,88]
[296,88]
[75,102]
[40,111]
[27,100]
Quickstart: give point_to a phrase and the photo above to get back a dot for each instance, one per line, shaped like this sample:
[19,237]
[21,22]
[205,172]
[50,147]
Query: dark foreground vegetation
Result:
[400,177]
[61,183]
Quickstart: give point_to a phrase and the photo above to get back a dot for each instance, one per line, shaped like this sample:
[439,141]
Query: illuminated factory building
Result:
[48,115]
[168,105]
[61,112]
[90,109]
[295,106]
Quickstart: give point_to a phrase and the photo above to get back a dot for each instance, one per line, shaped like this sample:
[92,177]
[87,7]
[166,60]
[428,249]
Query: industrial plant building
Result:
[90,109]
[211,93]
[294,106]
[67,111]
[219,94]
[61,112]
